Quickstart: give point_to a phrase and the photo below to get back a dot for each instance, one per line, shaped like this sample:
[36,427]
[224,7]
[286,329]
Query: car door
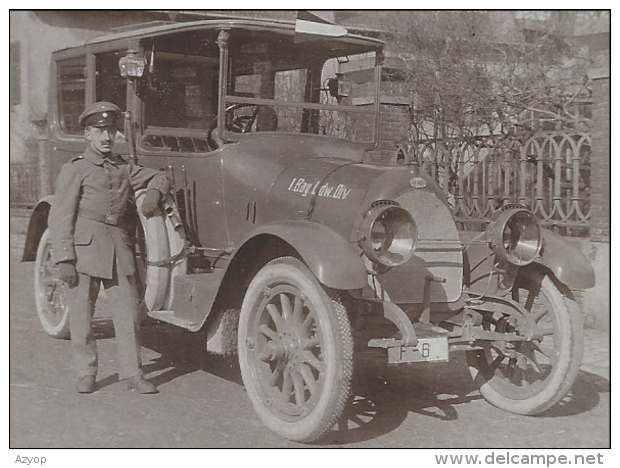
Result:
[174,112]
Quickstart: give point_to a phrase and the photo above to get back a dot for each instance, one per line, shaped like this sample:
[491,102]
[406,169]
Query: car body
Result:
[284,243]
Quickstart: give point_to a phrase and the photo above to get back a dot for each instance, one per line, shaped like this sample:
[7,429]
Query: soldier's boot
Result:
[140,385]
[85,384]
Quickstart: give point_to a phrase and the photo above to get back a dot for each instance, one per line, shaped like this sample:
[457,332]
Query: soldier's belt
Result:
[111,219]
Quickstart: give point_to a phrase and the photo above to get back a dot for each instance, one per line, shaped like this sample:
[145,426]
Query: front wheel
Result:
[534,375]
[50,292]
[295,351]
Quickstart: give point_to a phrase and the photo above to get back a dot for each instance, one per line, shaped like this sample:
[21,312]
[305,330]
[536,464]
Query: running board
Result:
[169,317]
[193,298]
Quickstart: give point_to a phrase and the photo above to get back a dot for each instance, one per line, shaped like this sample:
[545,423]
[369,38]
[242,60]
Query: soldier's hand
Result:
[150,204]
[68,273]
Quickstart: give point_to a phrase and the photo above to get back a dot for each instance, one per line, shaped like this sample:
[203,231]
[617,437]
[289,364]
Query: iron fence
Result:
[24,184]
[549,173]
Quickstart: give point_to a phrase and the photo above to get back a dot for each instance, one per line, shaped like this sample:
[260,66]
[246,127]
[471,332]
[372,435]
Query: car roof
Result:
[276,26]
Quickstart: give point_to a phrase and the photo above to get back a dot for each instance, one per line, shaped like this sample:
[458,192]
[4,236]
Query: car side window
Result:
[109,84]
[71,81]
[180,103]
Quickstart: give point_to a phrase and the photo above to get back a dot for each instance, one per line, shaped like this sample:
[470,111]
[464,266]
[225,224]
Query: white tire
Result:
[50,292]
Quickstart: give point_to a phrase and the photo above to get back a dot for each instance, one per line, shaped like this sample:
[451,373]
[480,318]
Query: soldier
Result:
[92,246]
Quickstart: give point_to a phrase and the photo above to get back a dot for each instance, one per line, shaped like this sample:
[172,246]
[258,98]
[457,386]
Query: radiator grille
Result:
[438,252]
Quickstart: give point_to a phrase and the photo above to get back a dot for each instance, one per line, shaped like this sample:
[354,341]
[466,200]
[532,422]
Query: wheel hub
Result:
[287,349]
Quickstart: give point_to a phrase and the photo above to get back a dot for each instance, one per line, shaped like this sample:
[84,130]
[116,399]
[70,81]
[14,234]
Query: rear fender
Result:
[36,227]
[333,260]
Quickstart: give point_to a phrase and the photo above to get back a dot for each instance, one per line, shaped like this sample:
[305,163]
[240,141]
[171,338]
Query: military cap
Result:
[100,114]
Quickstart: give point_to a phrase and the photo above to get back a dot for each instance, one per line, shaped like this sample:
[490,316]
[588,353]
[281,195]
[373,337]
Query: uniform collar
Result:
[98,158]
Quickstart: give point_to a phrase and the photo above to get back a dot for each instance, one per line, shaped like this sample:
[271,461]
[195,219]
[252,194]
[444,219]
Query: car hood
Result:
[310,177]
[326,181]
[288,175]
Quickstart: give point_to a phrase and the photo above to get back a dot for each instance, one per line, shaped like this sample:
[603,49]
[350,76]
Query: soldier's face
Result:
[101,138]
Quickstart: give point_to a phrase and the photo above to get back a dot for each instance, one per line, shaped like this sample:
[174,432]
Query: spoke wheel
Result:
[50,292]
[295,351]
[529,377]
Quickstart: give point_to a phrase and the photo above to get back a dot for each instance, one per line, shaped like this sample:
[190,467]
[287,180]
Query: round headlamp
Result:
[389,235]
[515,236]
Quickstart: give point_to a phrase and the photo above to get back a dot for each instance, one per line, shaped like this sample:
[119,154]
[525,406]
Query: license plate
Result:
[428,350]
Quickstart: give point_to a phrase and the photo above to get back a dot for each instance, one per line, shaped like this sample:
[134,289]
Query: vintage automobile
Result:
[284,243]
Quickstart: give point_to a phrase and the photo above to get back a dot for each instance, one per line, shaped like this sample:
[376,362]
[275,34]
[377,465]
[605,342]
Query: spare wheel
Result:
[151,247]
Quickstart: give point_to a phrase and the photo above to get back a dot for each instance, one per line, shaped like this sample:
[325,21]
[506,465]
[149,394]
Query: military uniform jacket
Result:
[88,212]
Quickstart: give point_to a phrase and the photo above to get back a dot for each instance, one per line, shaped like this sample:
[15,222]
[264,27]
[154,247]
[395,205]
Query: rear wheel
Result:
[295,351]
[50,292]
[534,375]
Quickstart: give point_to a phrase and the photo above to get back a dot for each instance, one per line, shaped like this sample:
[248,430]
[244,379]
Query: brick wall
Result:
[394,126]
[598,249]
[600,157]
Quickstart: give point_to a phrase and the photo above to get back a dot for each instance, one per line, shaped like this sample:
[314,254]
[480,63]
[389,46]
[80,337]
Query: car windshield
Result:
[280,85]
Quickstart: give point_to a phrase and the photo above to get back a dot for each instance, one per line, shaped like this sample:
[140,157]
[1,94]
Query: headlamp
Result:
[515,236]
[389,235]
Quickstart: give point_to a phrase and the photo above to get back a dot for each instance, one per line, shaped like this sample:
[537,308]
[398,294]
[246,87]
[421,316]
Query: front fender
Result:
[334,261]
[36,227]
[569,265]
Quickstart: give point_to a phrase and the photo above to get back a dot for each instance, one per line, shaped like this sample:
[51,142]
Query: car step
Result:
[169,317]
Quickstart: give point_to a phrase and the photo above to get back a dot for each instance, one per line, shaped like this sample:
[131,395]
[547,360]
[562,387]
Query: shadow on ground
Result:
[382,396]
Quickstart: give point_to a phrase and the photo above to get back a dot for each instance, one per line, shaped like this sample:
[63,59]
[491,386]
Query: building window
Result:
[15,74]
[71,75]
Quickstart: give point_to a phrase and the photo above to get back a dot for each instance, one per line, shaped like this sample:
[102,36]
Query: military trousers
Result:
[123,300]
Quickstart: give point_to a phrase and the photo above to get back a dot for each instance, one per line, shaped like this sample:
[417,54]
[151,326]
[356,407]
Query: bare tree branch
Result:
[469,70]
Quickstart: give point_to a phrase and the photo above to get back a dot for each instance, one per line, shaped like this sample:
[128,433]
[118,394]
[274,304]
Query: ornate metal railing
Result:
[23,184]
[548,173]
